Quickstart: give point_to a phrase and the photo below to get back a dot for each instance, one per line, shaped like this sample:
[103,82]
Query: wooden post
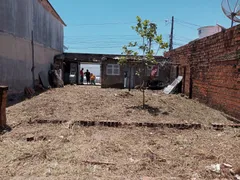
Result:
[78,73]
[3,104]
[191,85]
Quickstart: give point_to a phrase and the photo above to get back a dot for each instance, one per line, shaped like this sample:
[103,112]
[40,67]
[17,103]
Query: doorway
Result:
[92,68]
[129,77]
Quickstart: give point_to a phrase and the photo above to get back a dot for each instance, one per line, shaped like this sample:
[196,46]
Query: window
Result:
[149,70]
[113,69]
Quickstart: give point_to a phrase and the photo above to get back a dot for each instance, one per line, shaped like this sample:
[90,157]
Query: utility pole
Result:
[171,36]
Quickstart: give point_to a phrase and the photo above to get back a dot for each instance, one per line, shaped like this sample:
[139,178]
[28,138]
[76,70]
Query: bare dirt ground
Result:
[93,103]
[59,152]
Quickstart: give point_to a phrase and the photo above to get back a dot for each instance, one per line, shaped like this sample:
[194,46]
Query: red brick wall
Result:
[214,65]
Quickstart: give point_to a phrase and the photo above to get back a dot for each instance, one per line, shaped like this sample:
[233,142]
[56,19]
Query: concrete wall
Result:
[111,81]
[18,19]
[117,81]
[212,70]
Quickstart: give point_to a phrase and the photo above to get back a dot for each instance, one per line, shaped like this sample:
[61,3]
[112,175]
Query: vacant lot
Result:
[48,151]
[74,103]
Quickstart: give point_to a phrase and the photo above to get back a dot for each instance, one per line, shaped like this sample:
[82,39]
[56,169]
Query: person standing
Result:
[87,74]
[81,76]
[93,78]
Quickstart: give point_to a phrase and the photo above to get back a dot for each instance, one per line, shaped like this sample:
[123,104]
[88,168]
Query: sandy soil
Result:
[57,152]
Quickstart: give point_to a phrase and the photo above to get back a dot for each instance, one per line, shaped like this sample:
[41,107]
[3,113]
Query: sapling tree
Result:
[144,54]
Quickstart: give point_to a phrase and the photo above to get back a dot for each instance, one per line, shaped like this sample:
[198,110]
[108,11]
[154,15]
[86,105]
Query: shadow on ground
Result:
[154,111]
[5,129]
[15,99]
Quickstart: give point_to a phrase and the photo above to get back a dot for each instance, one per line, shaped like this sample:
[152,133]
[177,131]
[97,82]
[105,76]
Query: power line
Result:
[186,26]
[110,35]
[186,41]
[102,39]
[178,44]
[101,35]
[97,47]
[104,43]
[83,42]
[183,37]
[100,47]
[105,40]
[185,22]
[117,41]
[96,44]
[102,24]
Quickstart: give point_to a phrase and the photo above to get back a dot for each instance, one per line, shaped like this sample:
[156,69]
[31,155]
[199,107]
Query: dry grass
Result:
[92,103]
[107,153]
[58,152]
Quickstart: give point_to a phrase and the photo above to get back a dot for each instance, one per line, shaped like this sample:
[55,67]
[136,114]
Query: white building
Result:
[209,30]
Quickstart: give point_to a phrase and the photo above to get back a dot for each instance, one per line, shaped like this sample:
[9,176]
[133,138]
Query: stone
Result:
[30,137]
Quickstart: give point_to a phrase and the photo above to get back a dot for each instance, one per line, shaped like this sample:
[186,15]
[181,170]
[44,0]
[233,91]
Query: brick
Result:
[214,65]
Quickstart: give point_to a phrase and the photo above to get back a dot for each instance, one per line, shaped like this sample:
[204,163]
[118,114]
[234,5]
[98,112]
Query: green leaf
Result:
[132,44]
[135,53]
[147,31]
[139,19]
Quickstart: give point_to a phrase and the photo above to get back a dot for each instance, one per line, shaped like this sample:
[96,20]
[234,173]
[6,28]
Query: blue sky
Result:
[95,26]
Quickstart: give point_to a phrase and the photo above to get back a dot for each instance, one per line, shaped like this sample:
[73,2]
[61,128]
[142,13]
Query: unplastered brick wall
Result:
[211,70]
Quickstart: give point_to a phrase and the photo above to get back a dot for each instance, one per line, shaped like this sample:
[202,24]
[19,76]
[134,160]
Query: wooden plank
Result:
[3,104]
[170,88]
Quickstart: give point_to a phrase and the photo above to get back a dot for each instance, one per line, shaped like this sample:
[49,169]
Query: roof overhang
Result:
[48,6]
[86,57]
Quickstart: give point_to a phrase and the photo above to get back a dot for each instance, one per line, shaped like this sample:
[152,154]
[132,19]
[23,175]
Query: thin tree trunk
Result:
[129,79]
[150,44]
[143,45]
[143,98]
[143,73]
